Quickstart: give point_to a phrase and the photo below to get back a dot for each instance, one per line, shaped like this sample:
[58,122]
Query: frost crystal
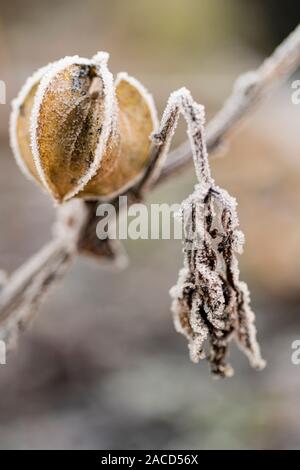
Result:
[17,104]
[209,301]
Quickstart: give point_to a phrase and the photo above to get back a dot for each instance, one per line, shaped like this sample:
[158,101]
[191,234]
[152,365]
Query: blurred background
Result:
[102,367]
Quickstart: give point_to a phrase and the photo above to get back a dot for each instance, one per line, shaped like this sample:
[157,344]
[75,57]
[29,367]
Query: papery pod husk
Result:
[75,144]
[136,122]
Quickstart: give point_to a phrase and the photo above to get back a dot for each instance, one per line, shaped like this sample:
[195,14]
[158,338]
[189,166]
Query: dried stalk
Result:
[75,229]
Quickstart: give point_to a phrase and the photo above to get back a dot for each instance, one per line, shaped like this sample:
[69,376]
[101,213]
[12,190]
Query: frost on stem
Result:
[209,301]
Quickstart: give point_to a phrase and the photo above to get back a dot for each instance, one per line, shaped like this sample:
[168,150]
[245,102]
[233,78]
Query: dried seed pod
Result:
[77,133]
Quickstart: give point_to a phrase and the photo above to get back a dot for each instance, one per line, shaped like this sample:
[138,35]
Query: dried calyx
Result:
[78,133]
[210,303]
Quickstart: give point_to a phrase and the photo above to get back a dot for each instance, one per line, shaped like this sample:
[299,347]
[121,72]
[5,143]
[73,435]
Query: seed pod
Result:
[77,133]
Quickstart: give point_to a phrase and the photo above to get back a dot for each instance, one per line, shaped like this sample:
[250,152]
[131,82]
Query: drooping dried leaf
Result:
[209,300]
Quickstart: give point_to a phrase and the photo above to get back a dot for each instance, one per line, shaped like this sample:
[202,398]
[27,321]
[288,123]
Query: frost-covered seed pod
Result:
[77,133]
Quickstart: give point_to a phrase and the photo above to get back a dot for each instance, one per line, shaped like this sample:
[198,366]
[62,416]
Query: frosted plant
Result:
[81,134]
[209,301]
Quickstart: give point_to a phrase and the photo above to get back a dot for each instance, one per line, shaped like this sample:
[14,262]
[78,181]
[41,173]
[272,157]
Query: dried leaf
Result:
[209,300]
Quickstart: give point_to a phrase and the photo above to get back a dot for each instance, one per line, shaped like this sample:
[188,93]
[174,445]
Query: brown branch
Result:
[75,229]
[249,89]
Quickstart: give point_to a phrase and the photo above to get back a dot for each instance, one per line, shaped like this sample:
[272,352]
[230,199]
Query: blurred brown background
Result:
[102,366]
